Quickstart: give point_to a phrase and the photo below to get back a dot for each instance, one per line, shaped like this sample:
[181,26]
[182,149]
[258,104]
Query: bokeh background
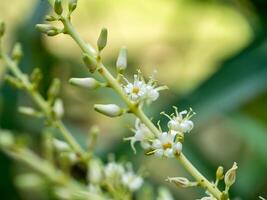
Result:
[211,53]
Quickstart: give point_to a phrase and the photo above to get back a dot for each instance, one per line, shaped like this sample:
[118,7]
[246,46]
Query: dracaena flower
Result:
[180,121]
[142,91]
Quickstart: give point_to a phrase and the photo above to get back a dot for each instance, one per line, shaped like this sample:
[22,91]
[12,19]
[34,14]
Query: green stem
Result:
[50,173]
[203,182]
[40,101]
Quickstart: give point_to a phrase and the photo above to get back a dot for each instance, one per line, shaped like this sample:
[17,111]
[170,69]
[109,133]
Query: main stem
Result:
[203,182]
[40,101]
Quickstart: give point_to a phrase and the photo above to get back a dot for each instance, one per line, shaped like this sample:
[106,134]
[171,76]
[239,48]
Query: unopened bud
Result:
[52,32]
[224,196]
[29,181]
[53,90]
[6,139]
[90,62]
[61,145]
[219,173]
[111,110]
[13,81]
[58,7]
[58,108]
[29,111]
[230,175]
[44,28]
[36,77]
[179,181]
[72,5]
[17,52]
[121,63]
[95,171]
[50,18]
[89,83]
[2,28]
[102,40]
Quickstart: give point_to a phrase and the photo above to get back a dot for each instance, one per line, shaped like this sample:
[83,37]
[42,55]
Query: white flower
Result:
[179,122]
[139,90]
[113,169]
[132,181]
[142,134]
[166,146]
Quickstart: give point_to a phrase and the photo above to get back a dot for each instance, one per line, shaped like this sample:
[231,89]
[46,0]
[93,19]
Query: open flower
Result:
[139,90]
[166,146]
[180,121]
[142,135]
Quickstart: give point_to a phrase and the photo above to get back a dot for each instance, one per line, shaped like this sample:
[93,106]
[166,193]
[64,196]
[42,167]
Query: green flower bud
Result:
[52,32]
[6,139]
[13,81]
[2,28]
[102,40]
[36,77]
[30,181]
[111,110]
[53,90]
[50,18]
[58,7]
[89,83]
[230,176]
[90,62]
[219,173]
[17,52]
[72,5]
[121,63]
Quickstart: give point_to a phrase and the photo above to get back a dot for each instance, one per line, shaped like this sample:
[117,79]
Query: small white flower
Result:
[113,169]
[139,90]
[166,146]
[179,122]
[142,134]
[132,181]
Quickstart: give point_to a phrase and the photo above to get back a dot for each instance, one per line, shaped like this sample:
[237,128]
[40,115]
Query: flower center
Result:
[136,90]
[167,146]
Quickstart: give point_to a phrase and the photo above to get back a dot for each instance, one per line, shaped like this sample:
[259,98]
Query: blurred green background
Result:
[211,53]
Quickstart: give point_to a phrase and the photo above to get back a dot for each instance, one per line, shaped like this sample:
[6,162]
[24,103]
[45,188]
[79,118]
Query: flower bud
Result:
[230,175]
[53,90]
[2,28]
[29,181]
[44,28]
[17,52]
[50,18]
[61,145]
[95,171]
[29,111]
[179,181]
[52,32]
[102,40]
[36,77]
[72,5]
[58,108]
[58,7]
[219,173]
[90,62]
[13,81]
[6,139]
[89,83]
[121,63]
[111,110]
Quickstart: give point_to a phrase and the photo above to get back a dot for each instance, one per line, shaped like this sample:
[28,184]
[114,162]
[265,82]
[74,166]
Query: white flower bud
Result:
[219,173]
[61,145]
[121,63]
[230,175]
[96,171]
[89,83]
[44,28]
[29,111]
[111,110]
[58,108]
[179,181]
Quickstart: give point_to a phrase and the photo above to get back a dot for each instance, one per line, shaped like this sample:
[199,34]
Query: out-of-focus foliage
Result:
[211,54]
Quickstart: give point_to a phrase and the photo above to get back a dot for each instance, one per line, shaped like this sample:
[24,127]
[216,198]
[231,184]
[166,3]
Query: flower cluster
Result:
[118,175]
[142,91]
[166,144]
